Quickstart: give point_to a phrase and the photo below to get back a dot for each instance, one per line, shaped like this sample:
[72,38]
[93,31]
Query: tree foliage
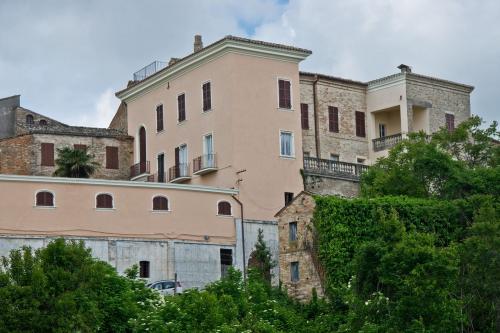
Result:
[446,165]
[75,163]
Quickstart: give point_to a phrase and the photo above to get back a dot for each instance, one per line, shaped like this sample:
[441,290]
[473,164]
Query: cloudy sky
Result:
[68,58]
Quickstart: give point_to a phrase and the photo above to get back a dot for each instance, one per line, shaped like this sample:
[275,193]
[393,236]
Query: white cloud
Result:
[105,109]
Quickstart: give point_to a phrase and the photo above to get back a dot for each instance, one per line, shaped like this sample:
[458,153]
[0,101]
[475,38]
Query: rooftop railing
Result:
[149,70]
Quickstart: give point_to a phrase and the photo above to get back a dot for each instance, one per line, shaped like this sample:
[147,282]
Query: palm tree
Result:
[75,163]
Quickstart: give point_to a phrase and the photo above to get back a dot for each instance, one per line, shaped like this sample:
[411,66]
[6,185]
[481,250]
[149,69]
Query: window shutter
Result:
[112,158]
[304,112]
[159,118]
[207,98]
[47,154]
[284,94]
[104,201]
[450,122]
[224,208]
[360,124]
[181,106]
[80,147]
[333,119]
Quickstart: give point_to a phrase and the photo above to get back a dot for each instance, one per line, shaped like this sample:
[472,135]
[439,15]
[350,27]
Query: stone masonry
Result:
[300,250]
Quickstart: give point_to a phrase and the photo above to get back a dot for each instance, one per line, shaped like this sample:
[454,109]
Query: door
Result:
[142,150]
[381,130]
[208,151]
[161,168]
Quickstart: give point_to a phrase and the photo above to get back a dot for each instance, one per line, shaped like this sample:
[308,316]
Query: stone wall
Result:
[348,98]
[16,155]
[443,99]
[301,250]
[324,185]
[7,115]
[21,155]
[23,128]
[119,121]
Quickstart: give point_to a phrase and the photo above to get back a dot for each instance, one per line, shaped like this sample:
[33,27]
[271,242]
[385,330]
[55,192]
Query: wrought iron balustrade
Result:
[139,169]
[205,162]
[180,171]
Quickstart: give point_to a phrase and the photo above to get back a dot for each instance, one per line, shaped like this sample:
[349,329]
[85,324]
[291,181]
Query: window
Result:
[144,269]
[334,157]
[381,130]
[224,208]
[288,198]
[286,144]
[333,119]
[284,96]
[360,160]
[360,124]
[80,147]
[160,161]
[450,122]
[207,96]
[181,108]
[159,118]
[44,199]
[294,271]
[292,231]
[304,116]
[112,157]
[43,122]
[104,201]
[226,261]
[47,154]
[29,120]
[160,203]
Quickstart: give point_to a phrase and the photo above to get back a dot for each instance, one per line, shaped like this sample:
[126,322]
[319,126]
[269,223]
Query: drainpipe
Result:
[242,238]
[316,120]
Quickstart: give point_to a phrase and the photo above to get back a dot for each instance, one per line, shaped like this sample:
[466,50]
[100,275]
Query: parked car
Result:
[166,287]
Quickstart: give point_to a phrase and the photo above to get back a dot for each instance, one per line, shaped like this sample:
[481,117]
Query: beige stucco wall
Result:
[245,122]
[75,213]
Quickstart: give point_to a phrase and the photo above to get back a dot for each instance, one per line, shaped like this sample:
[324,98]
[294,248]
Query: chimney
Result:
[404,68]
[198,44]
[173,61]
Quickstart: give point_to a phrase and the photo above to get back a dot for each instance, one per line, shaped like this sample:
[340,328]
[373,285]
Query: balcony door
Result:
[208,151]
[161,168]
[381,130]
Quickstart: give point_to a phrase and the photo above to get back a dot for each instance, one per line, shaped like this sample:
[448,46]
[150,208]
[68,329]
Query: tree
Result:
[261,259]
[446,165]
[75,163]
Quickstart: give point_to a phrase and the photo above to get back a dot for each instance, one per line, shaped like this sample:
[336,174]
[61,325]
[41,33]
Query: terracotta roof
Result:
[79,131]
[226,38]
[334,78]
[415,75]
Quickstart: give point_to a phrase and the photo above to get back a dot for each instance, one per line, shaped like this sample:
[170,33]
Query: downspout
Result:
[316,121]
[242,238]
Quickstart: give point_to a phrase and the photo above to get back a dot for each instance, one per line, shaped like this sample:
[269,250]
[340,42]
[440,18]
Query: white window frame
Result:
[278,94]
[292,146]
[204,143]
[53,200]
[113,207]
[380,126]
[187,153]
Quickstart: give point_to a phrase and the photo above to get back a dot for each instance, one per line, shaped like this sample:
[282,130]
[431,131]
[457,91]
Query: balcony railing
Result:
[204,164]
[386,142]
[139,169]
[336,169]
[179,173]
[158,178]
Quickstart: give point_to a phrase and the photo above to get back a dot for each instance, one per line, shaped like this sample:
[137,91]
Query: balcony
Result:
[204,164]
[386,142]
[139,169]
[179,173]
[335,169]
[157,178]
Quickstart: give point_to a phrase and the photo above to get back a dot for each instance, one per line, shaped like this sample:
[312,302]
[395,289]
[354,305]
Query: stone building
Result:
[300,268]
[28,145]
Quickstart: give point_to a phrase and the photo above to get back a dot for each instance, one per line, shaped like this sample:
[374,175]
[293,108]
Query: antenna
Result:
[240,178]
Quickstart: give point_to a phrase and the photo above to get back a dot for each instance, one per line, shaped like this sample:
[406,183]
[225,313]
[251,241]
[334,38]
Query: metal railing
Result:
[149,70]
[178,171]
[334,168]
[158,178]
[139,169]
[207,161]
[386,142]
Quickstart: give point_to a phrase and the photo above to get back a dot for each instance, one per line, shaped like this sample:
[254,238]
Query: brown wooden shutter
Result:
[112,158]
[450,122]
[159,118]
[45,199]
[360,124]
[80,147]
[284,95]
[224,208]
[181,106]
[304,112]
[207,96]
[160,203]
[104,201]
[47,154]
[333,119]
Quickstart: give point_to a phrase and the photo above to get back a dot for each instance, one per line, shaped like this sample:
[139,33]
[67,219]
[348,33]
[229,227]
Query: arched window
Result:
[160,203]
[43,122]
[104,201]
[29,120]
[224,208]
[44,199]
